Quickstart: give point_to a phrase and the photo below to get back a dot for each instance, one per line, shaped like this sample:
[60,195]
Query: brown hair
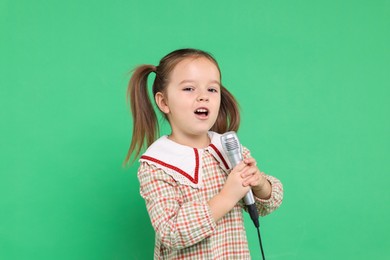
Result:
[145,125]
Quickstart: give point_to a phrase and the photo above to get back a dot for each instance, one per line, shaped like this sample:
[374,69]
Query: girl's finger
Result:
[239,167]
[252,181]
[250,162]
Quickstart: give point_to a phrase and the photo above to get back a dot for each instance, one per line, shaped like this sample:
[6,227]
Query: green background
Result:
[312,78]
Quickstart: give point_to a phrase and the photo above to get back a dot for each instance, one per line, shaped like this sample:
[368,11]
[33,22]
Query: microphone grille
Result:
[231,143]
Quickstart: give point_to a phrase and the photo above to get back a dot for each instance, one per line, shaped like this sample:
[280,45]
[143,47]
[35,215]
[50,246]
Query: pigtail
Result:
[145,125]
[229,114]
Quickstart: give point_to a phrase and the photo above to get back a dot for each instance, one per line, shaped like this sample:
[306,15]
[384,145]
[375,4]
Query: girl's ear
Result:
[161,102]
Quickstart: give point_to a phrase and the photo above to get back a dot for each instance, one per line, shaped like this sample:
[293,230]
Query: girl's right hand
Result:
[234,189]
[231,193]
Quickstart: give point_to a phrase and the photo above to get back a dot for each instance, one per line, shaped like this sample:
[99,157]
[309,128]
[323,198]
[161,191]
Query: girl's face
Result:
[192,97]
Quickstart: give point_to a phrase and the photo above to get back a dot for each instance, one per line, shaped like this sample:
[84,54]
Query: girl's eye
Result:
[214,90]
[188,89]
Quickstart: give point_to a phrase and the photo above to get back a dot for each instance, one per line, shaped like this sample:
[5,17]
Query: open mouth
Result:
[202,112]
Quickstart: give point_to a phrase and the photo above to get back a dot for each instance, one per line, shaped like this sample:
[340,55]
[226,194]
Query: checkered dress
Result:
[182,218]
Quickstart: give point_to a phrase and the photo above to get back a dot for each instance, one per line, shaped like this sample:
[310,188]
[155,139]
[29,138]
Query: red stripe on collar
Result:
[193,180]
[220,156]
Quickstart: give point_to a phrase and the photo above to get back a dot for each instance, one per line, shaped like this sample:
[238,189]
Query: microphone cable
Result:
[261,245]
[255,218]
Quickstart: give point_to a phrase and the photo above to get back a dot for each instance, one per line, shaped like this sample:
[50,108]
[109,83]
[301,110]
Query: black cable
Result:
[261,245]
[252,210]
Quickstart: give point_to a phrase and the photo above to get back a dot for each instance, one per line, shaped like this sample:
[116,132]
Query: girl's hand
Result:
[255,179]
[244,176]
[234,190]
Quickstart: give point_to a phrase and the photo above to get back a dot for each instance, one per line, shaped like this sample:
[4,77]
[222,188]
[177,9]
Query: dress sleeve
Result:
[177,224]
[265,207]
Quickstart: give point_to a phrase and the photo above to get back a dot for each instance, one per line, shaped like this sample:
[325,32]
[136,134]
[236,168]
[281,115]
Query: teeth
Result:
[201,110]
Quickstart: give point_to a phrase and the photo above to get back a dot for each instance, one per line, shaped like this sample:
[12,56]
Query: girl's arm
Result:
[232,192]
[268,192]
[177,224]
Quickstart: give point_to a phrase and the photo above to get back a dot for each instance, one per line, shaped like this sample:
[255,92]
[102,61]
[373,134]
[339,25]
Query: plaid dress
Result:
[176,199]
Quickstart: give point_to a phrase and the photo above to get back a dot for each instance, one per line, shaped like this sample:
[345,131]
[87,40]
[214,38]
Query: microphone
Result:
[232,147]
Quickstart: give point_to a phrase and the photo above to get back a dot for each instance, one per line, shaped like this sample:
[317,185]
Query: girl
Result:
[192,195]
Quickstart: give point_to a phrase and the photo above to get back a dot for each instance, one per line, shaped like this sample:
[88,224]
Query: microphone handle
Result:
[249,200]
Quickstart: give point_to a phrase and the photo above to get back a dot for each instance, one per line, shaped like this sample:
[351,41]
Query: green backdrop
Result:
[312,78]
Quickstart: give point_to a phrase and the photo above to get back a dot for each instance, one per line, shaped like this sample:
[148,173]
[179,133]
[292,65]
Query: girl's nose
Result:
[203,98]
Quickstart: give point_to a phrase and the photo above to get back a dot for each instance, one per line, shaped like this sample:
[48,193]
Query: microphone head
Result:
[231,145]
[230,141]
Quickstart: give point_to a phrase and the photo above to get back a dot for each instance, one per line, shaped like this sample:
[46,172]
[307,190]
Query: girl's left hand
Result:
[256,179]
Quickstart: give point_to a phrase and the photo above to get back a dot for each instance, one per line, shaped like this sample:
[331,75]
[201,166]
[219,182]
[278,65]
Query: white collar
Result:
[184,163]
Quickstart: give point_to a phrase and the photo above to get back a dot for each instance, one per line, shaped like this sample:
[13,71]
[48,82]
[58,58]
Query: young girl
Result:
[192,195]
